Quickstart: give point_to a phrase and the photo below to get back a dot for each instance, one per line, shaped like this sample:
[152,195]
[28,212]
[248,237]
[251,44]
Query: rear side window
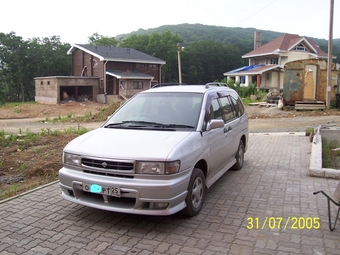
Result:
[215,111]
[237,102]
[227,108]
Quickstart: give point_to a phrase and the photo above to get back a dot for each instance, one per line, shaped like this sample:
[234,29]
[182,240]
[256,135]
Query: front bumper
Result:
[139,195]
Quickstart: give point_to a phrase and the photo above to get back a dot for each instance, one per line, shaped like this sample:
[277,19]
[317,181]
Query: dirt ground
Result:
[26,165]
[48,110]
[271,119]
[29,162]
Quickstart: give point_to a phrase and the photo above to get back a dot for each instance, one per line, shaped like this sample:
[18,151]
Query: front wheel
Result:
[196,193]
[239,157]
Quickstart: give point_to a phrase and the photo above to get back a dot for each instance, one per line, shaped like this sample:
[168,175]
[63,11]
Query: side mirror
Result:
[215,123]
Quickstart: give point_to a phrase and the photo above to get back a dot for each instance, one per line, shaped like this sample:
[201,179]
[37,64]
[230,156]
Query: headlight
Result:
[71,159]
[145,167]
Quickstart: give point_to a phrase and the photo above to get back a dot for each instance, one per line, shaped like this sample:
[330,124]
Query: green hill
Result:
[233,35]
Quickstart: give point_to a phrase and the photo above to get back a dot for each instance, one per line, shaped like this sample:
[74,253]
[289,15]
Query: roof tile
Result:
[284,43]
[117,53]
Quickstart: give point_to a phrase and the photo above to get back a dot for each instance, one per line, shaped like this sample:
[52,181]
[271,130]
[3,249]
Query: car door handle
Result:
[227,129]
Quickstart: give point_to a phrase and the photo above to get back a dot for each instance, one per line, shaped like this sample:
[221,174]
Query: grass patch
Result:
[330,159]
[25,140]
[101,116]
[17,104]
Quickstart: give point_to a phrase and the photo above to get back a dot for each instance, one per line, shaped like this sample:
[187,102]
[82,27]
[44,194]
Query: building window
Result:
[48,82]
[137,85]
[41,83]
[274,61]
[152,66]
[301,47]
[140,65]
[268,76]
[122,85]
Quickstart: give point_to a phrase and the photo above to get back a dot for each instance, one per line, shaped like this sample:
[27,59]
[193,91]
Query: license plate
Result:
[104,190]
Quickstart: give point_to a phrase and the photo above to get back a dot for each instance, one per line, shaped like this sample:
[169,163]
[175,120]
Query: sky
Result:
[74,20]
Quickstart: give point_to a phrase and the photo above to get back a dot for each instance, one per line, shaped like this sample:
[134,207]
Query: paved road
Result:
[272,185]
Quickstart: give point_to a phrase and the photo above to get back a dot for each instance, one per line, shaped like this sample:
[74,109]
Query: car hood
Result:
[127,143]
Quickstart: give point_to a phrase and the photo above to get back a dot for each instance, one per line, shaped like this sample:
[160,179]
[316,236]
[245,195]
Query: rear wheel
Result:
[239,157]
[196,193]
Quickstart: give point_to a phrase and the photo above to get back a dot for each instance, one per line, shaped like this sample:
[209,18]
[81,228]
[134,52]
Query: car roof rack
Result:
[218,84]
[167,84]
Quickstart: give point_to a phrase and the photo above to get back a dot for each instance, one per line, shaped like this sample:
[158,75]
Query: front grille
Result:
[105,164]
[109,174]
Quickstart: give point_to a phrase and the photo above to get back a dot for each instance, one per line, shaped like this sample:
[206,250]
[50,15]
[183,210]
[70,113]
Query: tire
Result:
[273,99]
[196,193]
[239,157]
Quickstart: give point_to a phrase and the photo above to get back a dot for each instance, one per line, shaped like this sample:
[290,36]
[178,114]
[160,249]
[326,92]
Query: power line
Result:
[255,13]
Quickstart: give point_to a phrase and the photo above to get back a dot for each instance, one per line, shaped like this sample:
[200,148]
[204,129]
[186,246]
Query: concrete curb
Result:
[278,134]
[29,191]
[315,165]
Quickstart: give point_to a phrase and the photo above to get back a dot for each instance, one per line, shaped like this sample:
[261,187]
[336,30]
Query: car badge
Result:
[104,164]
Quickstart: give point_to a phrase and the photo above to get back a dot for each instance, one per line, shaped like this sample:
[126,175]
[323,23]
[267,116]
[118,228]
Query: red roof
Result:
[285,43]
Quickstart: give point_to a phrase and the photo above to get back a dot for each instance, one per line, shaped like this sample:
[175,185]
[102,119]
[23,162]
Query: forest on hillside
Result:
[209,51]
[234,35]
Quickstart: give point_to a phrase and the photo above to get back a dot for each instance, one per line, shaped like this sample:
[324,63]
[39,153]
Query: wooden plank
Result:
[267,105]
[256,103]
[309,107]
[309,102]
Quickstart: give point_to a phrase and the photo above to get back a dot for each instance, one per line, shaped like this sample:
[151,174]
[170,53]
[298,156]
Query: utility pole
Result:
[179,49]
[330,60]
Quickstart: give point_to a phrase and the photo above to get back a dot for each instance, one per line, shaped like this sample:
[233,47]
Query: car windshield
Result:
[159,109]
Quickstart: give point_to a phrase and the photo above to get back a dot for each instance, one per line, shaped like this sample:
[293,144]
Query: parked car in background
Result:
[159,152]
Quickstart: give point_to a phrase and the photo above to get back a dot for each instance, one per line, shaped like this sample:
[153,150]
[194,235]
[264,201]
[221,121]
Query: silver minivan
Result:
[159,152]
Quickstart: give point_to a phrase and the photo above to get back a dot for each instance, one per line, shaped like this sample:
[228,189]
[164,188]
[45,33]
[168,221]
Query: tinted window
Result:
[237,102]
[228,110]
[214,111]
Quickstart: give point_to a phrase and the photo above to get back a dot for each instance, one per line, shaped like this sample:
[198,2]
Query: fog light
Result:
[67,192]
[160,205]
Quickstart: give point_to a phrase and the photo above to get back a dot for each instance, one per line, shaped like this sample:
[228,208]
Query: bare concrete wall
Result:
[331,133]
[47,89]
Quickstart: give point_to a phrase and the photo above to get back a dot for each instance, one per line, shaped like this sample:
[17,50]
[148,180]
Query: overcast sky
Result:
[74,20]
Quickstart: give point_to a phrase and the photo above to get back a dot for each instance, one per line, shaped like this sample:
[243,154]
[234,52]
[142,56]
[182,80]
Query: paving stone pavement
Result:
[273,190]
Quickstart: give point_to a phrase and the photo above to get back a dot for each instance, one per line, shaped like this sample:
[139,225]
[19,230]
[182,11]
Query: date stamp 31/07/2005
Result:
[283,223]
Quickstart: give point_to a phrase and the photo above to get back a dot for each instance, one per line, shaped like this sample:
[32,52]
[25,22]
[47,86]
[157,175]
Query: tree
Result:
[204,61]
[22,61]
[14,59]
[137,42]
[160,45]
[100,40]
[207,60]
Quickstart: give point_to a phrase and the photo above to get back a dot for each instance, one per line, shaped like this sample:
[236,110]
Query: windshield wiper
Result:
[113,125]
[137,124]
[177,126]
[157,124]
[143,122]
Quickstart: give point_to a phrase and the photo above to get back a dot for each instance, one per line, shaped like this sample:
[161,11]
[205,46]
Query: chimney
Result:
[257,39]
